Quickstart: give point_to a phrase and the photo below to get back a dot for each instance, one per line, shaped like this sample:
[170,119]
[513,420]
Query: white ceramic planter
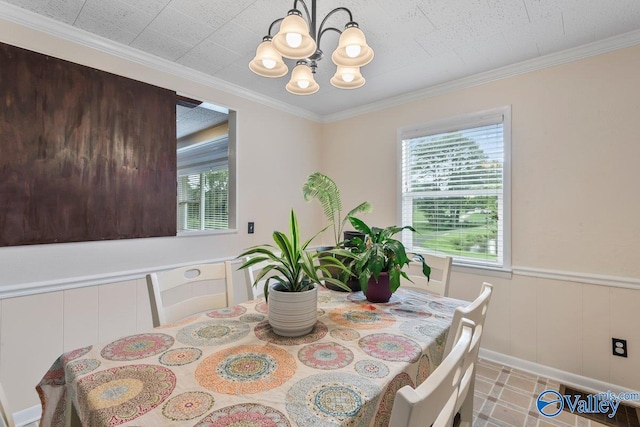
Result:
[292,314]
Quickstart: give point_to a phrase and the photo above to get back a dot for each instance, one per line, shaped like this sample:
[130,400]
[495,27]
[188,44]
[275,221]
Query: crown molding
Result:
[34,21]
[629,39]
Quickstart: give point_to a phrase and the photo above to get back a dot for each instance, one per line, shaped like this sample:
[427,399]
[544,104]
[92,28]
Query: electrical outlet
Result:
[250,228]
[619,347]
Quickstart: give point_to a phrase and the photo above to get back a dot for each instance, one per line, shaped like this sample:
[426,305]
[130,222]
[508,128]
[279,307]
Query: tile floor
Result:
[505,396]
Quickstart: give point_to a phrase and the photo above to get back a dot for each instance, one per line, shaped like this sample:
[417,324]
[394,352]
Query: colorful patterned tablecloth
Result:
[227,367]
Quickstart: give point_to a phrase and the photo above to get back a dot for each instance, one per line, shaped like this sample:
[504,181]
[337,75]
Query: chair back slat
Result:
[250,277]
[161,282]
[440,273]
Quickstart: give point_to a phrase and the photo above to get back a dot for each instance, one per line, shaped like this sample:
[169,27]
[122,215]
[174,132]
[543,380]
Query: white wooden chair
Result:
[440,272]
[476,312]
[159,283]
[433,402]
[250,276]
[5,412]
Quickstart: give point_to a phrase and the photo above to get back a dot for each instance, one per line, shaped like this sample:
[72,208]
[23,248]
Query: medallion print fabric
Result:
[55,375]
[212,332]
[336,398]
[424,369]
[248,414]
[345,334]
[252,317]
[372,369]
[442,309]
[226,367]
[412,312]
[77,368]
[137,347]
[328,355]
[187,406]
[324,299]
[383,416]
[359,297]
[422,330]
[74,354]
[246,369]
[393,348]
[180,356]
[361,317]
[121,394]
[264,332]
[262,307]
[234,311]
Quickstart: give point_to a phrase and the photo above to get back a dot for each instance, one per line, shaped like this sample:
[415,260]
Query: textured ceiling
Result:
[192,120]
[417,43]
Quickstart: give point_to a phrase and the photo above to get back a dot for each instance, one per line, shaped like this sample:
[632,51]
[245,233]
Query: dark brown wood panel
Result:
[84,154]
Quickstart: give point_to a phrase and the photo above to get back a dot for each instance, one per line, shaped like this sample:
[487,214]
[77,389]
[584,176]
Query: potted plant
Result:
[321,187]
[293,299]
[325,190]
[379,259]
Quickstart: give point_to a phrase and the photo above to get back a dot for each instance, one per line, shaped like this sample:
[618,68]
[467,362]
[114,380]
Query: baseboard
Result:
[563,377]
[27,416]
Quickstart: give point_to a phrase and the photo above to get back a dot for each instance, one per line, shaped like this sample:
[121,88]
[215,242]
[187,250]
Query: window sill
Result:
[196,233]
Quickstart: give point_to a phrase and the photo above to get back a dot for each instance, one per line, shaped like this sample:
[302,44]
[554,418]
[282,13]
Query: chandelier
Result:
[298,39]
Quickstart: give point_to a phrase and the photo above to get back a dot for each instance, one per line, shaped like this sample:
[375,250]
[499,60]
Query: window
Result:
[205,167]
[455,188]
[203,200]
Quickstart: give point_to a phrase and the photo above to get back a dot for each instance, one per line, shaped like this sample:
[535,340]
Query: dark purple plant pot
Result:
[378,291]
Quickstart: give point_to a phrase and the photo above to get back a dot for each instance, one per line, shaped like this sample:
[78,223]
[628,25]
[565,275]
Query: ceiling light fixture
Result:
[298,39]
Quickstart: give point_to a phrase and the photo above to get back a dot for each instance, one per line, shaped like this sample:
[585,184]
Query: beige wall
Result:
[575,206]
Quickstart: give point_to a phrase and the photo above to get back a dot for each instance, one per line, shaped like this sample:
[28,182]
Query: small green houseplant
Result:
[379,260]
[321,187]
[325,190]
[293,299]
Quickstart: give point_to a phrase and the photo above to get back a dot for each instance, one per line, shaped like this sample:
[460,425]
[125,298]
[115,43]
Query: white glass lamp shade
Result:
[293,40]
[302,82]
[268,62]
[352,50]
[347,78]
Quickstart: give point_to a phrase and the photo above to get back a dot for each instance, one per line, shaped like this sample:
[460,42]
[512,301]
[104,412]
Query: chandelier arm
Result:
[337,9]
[306,11]
[274,23]
[324,31]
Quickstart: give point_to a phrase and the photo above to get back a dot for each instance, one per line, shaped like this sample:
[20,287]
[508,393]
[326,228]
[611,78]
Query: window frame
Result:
[464,122]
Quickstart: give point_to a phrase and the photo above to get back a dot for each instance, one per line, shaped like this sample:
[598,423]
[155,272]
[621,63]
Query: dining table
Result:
[226,367]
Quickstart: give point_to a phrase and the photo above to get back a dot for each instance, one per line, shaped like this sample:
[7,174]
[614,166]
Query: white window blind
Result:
[453,182]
